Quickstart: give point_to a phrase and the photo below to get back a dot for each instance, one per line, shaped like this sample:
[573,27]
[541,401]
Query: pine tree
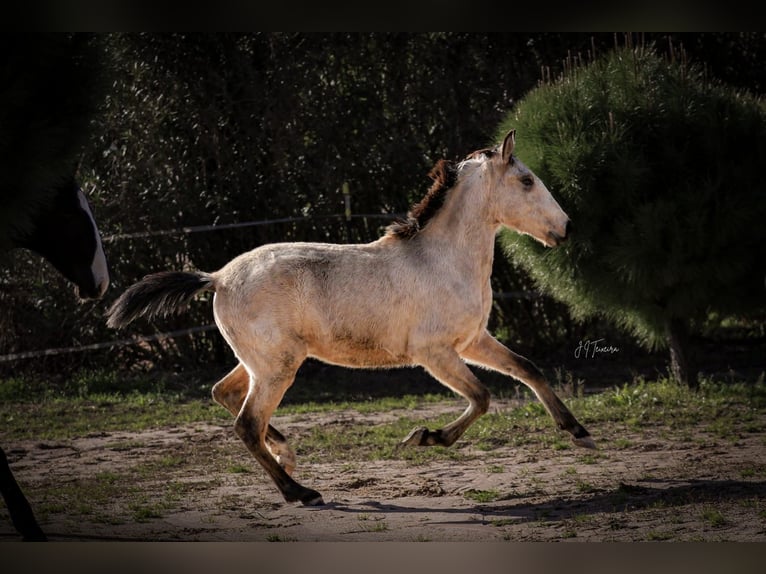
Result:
[660,170]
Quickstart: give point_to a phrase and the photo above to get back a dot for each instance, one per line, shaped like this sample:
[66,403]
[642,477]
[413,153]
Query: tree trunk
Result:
[682,363]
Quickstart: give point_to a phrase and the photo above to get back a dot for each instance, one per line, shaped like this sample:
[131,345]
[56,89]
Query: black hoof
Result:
[421,436]
[417,437]
[582,438]
[585,442]
[312,498]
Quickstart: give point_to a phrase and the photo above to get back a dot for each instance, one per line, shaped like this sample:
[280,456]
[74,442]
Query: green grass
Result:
[91,404]
[67,417]
[658,536]
[365,407]
[713,517]
[482,495]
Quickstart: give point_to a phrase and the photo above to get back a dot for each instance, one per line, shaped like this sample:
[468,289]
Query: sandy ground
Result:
[178,484]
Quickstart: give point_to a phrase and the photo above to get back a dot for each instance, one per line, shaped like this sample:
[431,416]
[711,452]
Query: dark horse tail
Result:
[158,295]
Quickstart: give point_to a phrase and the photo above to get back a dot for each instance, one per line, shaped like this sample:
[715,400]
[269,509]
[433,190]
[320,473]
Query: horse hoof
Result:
[313,499]
[585,442]
[418,437]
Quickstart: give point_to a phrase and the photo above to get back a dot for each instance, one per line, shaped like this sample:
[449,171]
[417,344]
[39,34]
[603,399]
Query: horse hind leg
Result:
[452,372]
[271,374]
[230,393]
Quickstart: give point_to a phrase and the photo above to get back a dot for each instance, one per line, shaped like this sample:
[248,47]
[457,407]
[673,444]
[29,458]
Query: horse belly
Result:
[358,353]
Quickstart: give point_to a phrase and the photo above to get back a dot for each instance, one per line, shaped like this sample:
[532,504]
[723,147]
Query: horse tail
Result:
[158,295]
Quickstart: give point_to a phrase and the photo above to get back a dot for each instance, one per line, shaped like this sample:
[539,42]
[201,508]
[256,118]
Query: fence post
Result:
[347,211]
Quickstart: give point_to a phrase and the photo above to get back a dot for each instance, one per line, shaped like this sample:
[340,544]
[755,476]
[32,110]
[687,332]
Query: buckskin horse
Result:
[419,295]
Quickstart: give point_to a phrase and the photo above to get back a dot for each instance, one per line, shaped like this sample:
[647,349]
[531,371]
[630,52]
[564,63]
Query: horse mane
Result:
[444,176]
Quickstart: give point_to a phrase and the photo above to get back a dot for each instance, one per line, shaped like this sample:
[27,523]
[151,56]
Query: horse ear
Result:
[508,144]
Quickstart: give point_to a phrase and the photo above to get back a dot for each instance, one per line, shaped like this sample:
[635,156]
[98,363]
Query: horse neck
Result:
[463,232]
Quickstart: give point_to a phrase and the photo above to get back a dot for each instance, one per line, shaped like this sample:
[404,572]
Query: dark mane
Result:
[444,175]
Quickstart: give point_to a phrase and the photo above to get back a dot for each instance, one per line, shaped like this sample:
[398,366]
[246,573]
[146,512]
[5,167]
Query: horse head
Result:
[521,200]
[66,234]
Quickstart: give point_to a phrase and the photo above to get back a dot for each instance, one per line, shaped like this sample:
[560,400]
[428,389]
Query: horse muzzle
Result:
[555,239]
[94,291]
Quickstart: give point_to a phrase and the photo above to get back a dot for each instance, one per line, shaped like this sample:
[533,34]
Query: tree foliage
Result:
[208,129]
[659,168]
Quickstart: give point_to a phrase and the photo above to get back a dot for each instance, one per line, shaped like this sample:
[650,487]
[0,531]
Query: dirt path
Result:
[196,482]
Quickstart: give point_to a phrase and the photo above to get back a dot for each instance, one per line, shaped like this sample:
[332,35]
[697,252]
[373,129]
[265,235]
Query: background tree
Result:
[660,168]
[208,129]
[223,128]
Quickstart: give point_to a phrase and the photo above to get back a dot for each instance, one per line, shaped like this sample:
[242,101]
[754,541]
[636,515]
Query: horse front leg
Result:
[490,353]
[230,393]
[447,367]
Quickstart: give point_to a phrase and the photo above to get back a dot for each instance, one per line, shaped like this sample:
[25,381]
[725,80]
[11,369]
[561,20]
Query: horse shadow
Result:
[626,497]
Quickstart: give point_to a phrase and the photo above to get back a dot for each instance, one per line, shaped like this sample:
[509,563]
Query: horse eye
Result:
[527,181]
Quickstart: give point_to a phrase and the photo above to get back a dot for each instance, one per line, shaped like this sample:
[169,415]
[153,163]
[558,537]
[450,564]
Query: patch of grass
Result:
[239,469]
[713,517]
[383,404]
[369,524]
[170,461]
[127,445]
[278,538]
[622,443]
[559,442]
[373,442]
[658,536]
[144,513]
[90,497]
[15,389]
[372,523]
[590,458]
[585,487]
[482,496]
[58,418]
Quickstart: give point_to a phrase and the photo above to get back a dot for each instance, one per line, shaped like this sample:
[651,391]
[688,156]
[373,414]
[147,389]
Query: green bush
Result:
[660,170]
